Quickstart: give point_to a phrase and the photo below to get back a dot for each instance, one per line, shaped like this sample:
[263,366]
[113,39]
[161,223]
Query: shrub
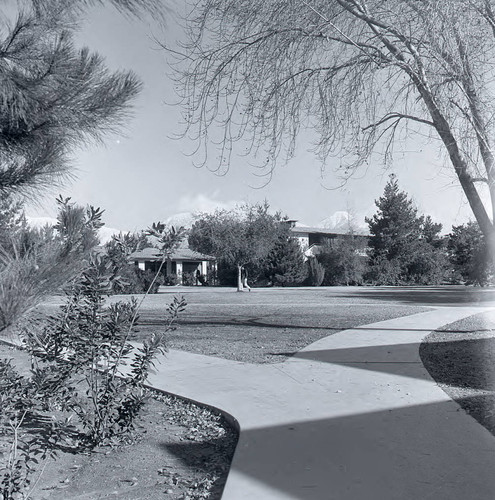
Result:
[19,408]
[316,272]
[82,351]
[40,262]
[26,279]
[383,271]
[343,265]
[171,280]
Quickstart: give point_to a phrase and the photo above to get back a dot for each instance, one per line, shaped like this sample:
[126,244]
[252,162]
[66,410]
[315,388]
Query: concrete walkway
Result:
[353,416]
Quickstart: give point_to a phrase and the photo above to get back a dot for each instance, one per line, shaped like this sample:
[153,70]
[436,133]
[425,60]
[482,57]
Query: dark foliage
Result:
[343,261]
[404,247]
[469,254]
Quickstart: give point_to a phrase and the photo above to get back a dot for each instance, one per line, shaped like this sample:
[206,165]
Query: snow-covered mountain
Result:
[343,221]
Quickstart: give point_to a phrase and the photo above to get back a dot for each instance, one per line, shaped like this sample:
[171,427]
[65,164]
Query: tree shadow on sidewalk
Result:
[411,452]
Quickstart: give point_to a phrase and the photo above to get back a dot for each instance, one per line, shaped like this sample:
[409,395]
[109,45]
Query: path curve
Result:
[352,416]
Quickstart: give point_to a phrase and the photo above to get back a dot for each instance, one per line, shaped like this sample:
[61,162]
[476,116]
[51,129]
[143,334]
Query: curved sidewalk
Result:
[352,416]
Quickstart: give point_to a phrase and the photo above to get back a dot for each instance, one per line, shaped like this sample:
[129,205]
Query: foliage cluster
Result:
[54,97]
[342,261]
[316,272]
[84,366]
[249,237]
[20,450]
[404,248]
[469,255]
[82,351]
[133,279]
[35,262]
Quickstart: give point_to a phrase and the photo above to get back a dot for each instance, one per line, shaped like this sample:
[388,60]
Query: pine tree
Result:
[53,96]
[285,263]
[404,247]
[12,221]
[395,226]
[468,253]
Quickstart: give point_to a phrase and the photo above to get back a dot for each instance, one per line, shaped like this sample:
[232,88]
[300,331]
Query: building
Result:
[312,238]
[182,262]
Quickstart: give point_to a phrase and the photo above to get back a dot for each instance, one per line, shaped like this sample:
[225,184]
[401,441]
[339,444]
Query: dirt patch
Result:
[178,451]
[461,358]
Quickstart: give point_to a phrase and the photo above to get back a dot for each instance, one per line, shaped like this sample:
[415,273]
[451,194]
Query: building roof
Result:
[182,253]
[326,231]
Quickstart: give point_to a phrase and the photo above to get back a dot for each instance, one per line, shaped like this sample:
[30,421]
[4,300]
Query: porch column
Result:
[204,265]
[179,271]
[169,267]
[142,265]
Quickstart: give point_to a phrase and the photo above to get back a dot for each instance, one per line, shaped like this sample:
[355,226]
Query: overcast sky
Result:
[146,175]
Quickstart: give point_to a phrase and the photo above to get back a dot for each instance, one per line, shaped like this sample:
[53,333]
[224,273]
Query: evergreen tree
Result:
[285,263]
[468,253]
[54,97]
[395,226]
[316,272]
[404,247]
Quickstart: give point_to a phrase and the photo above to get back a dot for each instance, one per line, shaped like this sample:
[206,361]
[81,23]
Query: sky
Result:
[146,175]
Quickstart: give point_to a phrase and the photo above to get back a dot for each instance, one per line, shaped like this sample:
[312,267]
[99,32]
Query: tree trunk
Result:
[490,245]
[239,278]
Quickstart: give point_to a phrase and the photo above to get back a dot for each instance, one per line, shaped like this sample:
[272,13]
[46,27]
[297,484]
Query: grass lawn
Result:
[265,325]
[461,358]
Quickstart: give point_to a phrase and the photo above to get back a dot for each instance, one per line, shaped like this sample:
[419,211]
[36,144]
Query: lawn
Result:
[265,325]
[461,358]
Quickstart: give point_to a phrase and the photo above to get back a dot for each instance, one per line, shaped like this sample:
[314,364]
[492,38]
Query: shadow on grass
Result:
[427,296]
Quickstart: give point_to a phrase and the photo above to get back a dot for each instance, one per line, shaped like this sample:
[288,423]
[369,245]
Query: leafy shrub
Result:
[189,279]
[343,265]
[82,351]
[22,450]
[383,271]
[171,280]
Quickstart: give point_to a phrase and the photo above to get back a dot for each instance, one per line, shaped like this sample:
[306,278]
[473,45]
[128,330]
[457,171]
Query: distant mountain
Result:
[185,219]
[343,221]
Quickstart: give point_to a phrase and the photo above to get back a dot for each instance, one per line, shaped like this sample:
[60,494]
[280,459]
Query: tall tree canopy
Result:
[54,96]
[404,247]
[238,237]
[361,73]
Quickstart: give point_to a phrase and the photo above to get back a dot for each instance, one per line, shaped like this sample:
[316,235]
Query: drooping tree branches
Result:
[363,75]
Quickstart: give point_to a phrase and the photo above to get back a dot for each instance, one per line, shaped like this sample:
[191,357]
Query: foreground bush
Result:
[82,352]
